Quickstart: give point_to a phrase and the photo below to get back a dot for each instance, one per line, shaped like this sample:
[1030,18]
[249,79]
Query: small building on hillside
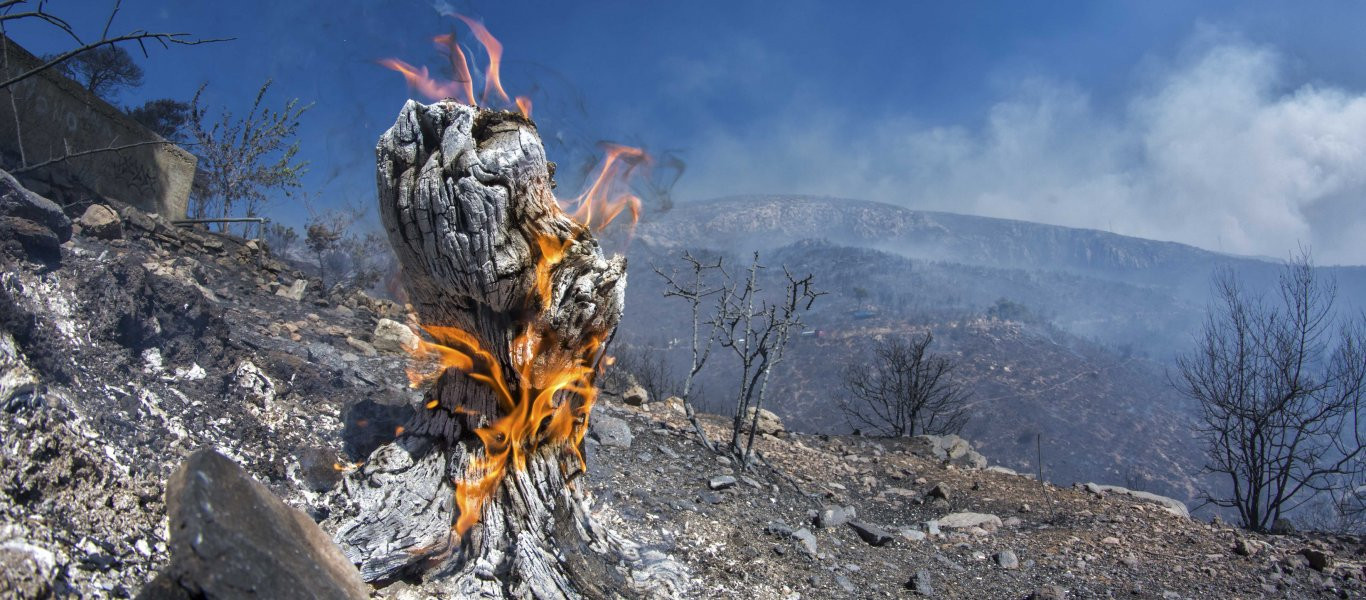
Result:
[47,116]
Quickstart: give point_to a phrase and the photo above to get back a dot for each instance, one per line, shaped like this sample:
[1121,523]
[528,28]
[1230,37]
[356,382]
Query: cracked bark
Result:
[465,194]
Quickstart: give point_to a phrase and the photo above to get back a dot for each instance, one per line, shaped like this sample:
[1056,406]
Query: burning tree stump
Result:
[479,490]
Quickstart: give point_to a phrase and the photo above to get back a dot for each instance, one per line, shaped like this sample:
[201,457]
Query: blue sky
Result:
[1235,126]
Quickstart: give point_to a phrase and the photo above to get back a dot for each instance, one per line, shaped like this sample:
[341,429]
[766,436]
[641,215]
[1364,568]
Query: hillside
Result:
[136,344]
[1169,277]
[1060,332]
[129,354]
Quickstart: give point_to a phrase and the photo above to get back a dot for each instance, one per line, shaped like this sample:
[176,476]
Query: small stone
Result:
[1318,560]
[721,482]
[1129,560]
[295,291]
[395,337]
[1006,559]
[920,583]
[912,535]
[712,498]
[1051,592]
[1110,541]
[940,490]
[361,346]
[845,584]
[635,395]
[101,221]
[807,539]
[871,534]
[834,516]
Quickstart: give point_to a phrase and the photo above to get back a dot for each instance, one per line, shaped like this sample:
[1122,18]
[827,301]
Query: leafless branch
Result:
[72,155]
[140,36]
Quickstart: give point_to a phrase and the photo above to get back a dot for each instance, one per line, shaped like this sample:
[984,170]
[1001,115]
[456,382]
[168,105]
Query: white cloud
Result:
[1217,151]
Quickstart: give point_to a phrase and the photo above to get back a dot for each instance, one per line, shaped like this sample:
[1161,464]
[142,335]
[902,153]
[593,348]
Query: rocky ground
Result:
[126,344]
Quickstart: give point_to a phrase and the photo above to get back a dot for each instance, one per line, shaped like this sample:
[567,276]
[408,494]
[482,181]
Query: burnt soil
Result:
[126,356]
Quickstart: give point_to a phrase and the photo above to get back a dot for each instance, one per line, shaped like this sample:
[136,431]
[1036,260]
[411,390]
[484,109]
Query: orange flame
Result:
[495,51]
[463,87]
[537,415]
[420,80]
[459,65]
[609,193]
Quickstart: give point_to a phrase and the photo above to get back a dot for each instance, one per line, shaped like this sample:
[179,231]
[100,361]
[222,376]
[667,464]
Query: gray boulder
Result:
[17,201]
[232,538]
[610,431]
[834,516]
[871,534]
[948,448]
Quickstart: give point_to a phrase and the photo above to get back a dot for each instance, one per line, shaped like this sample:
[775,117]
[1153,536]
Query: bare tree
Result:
[240,160]
[903,389]
[757,332]
[693,287]
[1280,386]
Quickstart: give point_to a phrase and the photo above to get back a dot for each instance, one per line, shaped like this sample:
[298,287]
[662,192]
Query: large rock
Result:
[768,422]
[18,201]
[1171,505]
[101,221]
[610,431]
[392,336]
[948,448]
[232,538]
[34,239]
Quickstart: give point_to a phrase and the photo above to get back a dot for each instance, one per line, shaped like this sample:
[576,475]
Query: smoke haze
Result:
[1214,149]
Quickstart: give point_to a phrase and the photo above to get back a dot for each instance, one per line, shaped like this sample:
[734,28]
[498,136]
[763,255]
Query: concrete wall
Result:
[58,117]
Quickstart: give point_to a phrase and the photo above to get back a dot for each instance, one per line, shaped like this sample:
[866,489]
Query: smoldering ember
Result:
[505,377]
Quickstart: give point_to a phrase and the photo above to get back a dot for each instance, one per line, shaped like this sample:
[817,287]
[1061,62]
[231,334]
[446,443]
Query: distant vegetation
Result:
[900,388]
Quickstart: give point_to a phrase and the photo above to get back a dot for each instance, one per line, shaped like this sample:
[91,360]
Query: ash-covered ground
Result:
[134,343]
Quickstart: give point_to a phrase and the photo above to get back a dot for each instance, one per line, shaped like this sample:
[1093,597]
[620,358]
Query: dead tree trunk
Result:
[479,491]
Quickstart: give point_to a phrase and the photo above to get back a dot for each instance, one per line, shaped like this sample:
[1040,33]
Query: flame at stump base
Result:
[522,300]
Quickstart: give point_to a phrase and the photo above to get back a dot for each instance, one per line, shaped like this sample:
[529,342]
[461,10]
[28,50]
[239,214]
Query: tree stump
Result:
[479,490]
